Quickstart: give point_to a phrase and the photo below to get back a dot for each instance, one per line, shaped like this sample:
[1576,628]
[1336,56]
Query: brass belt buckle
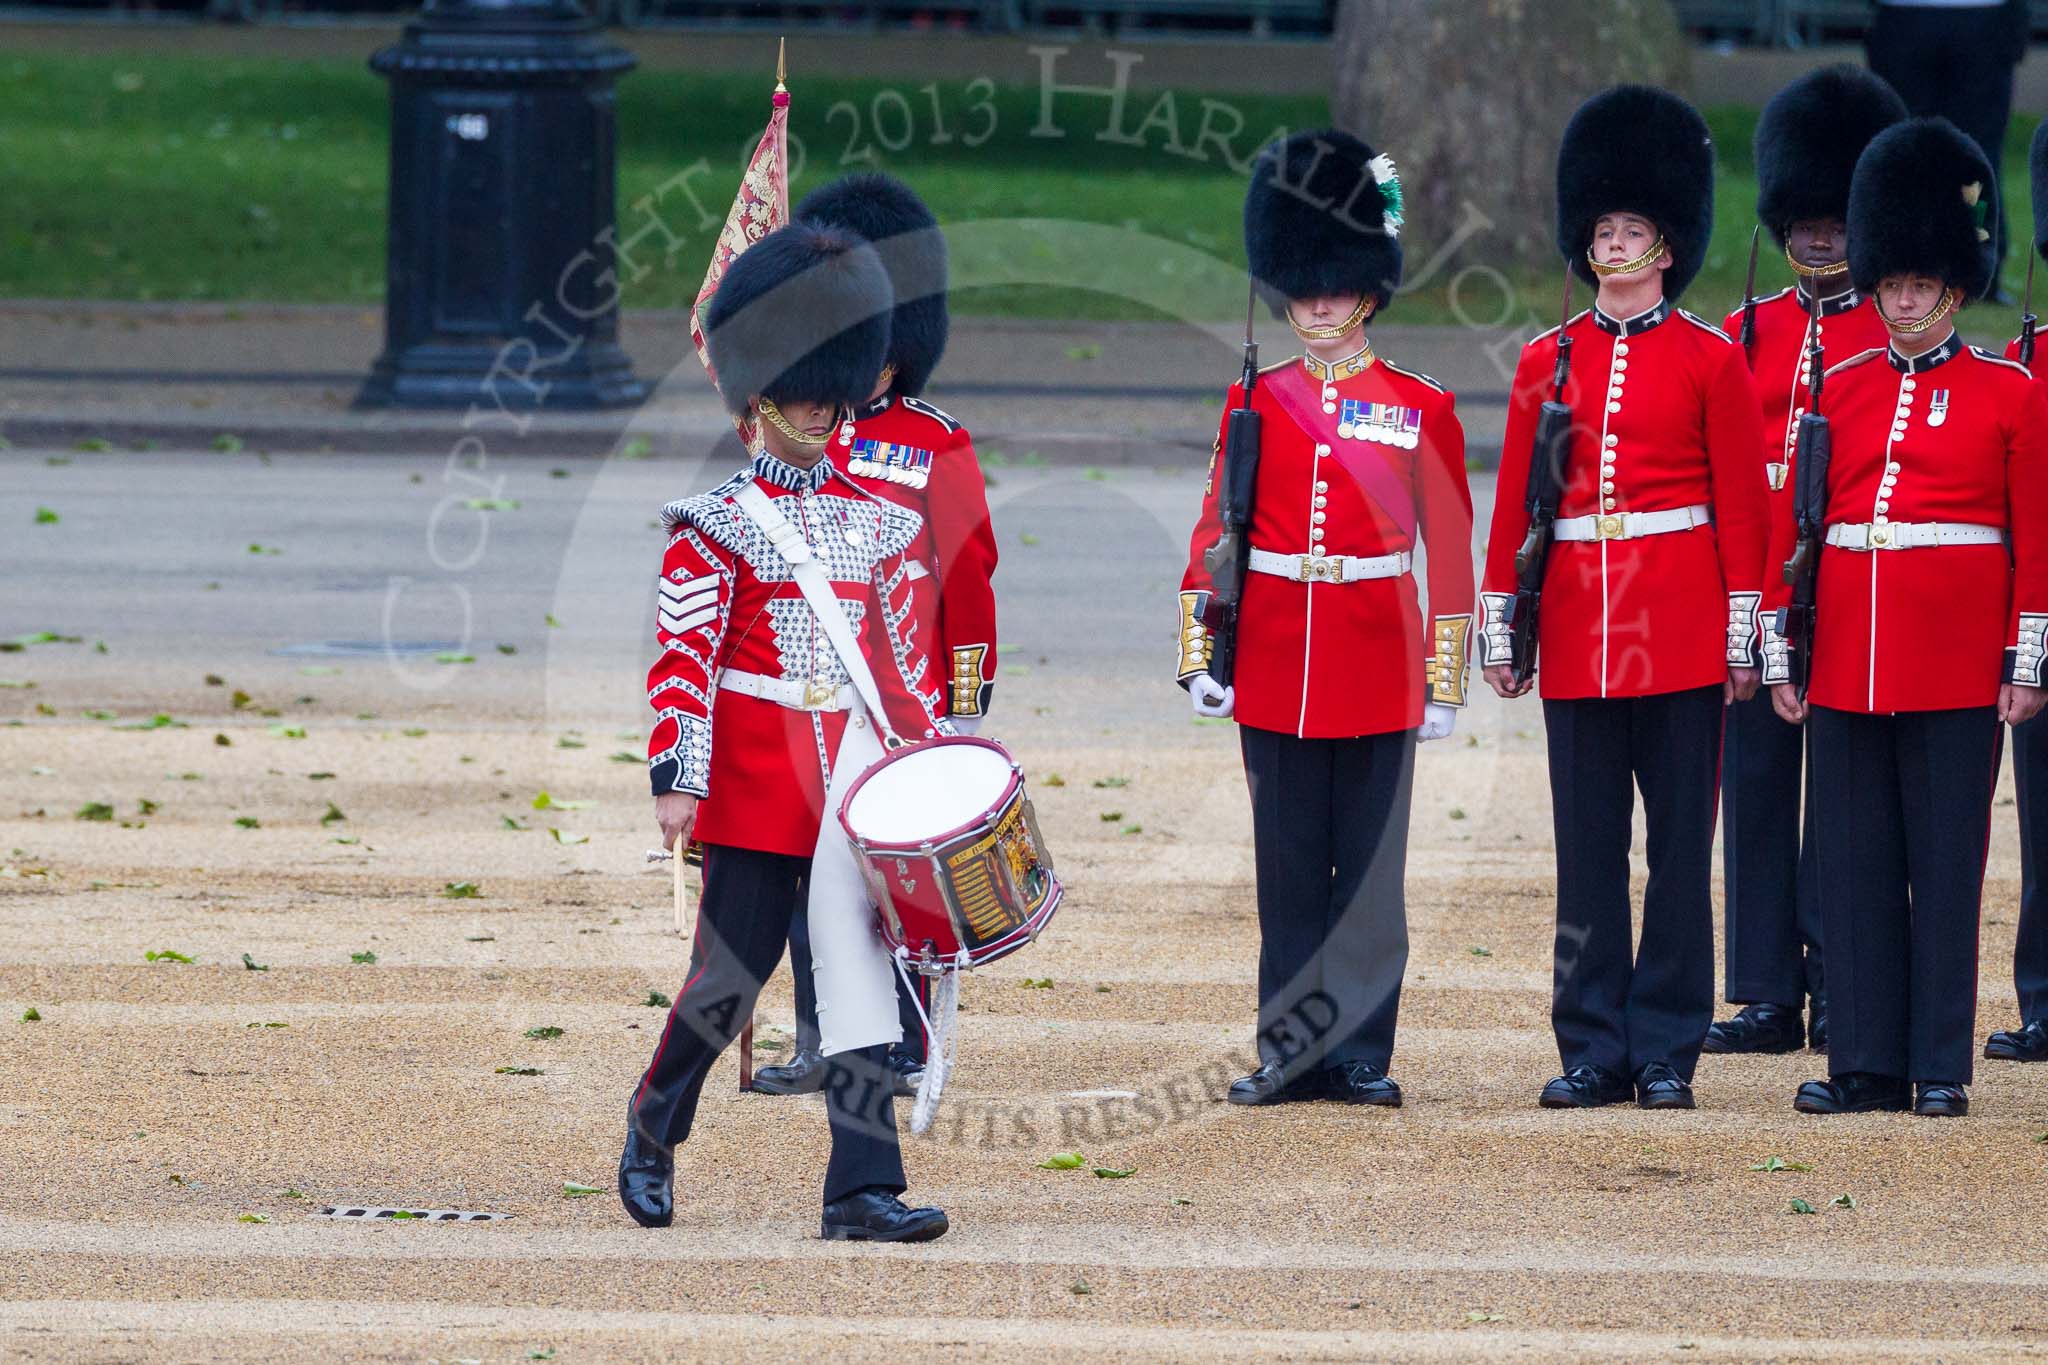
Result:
[1880,536]
[817,695]
[1609,527]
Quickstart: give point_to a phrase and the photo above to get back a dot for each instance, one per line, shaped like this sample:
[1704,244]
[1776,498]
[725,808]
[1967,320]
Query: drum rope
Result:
[942,1034]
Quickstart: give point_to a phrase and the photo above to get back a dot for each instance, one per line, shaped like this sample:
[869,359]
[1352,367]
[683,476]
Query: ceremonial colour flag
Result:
[761,206]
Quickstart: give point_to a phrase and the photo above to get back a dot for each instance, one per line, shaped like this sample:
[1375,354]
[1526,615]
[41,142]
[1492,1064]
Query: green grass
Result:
[177,177]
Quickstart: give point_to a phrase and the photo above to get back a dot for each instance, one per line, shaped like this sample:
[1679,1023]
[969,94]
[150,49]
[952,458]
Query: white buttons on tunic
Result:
[1322,485]
[1322,450]
[1322,501]
[1621,348]
[1611,440]
[1892,468]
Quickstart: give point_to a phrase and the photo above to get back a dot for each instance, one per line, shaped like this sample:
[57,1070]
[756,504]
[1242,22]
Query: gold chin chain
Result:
[1642,262]
[1336,333]
[887,378]
[773,416]
[1949,299]
[1815,272]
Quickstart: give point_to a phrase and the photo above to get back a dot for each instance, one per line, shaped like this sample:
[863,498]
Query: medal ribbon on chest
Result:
[1937,411]
[890,460]
[1387,423]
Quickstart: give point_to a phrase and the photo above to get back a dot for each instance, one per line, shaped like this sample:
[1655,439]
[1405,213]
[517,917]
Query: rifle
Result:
[1540,497]
[1812,453]
[1748,334]
[2028,322]
[1229,559]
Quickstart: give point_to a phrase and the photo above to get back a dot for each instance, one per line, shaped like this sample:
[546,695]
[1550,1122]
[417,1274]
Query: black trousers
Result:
[2030,950]
[1957,62]
[1330,840]
[914,1039]
[1773,912]
[1611,1007]
[1901,829]
[750,899]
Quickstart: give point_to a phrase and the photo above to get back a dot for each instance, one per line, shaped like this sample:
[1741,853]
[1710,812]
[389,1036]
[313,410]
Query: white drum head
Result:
[928,793]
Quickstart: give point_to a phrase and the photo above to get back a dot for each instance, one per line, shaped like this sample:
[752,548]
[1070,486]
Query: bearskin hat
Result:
[1323,216]
[2037,168]
[1808,138]
[889,214]
[1637,149]
[1923,202]
[801,316]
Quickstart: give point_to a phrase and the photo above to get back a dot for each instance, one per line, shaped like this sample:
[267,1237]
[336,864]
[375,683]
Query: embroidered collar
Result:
[1328,370]
[782,474]
[1950,347]
[1628,327]
[1830,304]
[876,408]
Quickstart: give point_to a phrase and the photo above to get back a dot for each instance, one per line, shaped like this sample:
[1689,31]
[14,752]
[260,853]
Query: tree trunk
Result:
[1470,97]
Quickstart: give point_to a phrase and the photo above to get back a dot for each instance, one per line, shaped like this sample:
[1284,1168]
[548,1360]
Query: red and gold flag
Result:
[760,207]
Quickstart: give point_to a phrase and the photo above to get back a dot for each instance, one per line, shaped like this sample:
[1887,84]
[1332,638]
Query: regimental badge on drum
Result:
[890,460]
[1388,423]
[1937,411]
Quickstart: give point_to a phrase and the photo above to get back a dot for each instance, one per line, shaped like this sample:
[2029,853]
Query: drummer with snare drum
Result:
[1340,674]
[764,718]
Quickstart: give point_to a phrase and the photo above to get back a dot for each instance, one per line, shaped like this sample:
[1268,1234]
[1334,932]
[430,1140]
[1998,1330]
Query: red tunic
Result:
[1326,660]
[1956,435]
[911,453]
[726,601]
[1667,401]
[1849,325]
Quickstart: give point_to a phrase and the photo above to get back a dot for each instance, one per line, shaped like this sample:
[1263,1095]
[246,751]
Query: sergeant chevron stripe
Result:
[683,606]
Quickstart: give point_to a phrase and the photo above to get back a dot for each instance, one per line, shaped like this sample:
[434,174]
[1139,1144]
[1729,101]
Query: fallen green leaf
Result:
[519,1071]
[254,1218]
[1112,782]
[656,1000]
[247,822]
[553,624]
[95,810]
[510,823]
[1478,951]
[333,815]
[562,838]
[1110,817]
[546,802]
[627,756]
[251,964]
[1079,1287]
[1774,1164]
[46,517]
[491,504]
[508,649]
[1063,1161]
[1844,1201]
[1800,1206]
[1115,1172]
[460,891]
[542,1032]
[365,958]
[165,955]
[1182,1202]
[454,658]
[31,1015]
[412,732]
[566,743]
[1037,983]
[288,731]
[227,443]
[575,1191]
[1482,1317]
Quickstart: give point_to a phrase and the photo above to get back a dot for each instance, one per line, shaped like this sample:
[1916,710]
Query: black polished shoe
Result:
[1269,1085]
[2027,1044]
[875,1215]
[908,1069]
[1939,1100]
[1360,1083]
[1855,1092]
[1586,1087]
[1817,1025]
[1757,1028]
[803,1074]
[647,1179]
[1659,1086]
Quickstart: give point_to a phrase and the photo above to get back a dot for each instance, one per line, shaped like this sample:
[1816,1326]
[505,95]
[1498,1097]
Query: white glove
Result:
[1210,697]
[1437,722]
[967,725]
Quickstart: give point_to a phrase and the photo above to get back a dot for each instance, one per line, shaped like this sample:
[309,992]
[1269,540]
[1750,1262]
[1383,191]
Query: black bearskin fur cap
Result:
[1323,216]
[1911,209]
[801,316]
[1637,149]
[1808,139]
[889,214]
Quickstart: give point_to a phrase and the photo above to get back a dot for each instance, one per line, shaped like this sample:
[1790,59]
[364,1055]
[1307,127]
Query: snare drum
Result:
[950,847]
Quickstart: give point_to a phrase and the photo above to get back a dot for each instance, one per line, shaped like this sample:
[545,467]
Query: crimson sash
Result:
[1302,400]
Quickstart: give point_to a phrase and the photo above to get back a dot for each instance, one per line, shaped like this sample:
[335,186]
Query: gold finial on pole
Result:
[781,65]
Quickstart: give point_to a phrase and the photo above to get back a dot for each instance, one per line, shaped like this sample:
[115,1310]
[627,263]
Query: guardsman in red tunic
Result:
[1650,597]
[2029,1042]
[903,449]
[1339,672]
[1931,600]
[753,704]
[1807,142]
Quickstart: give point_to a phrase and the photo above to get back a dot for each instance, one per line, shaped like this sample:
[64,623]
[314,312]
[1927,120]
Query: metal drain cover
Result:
[362,649]
[364,1213]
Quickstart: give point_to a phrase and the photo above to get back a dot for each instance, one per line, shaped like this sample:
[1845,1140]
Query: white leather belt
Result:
[797,696]
[1912,535]
[915,569]
[1632,525]
[1330,568]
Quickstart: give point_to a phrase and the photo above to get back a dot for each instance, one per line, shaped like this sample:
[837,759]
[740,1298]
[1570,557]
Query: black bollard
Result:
[499,287]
